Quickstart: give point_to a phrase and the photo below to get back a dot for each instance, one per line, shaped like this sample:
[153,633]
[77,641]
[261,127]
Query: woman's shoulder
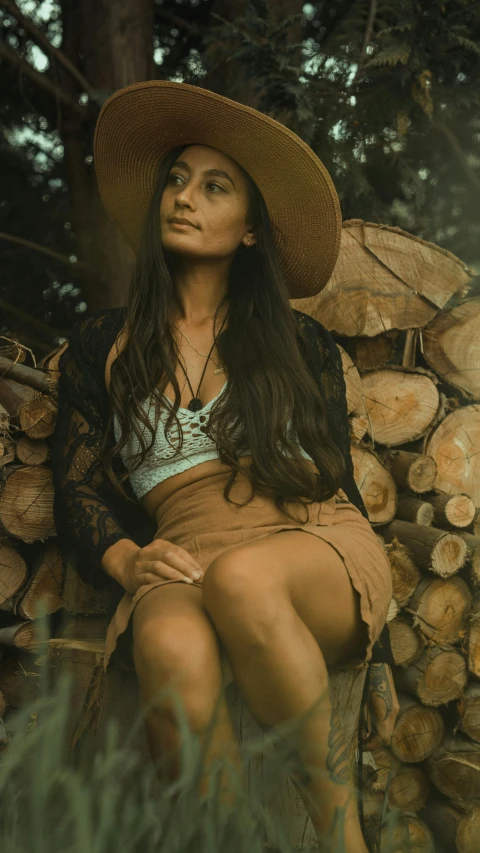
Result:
[314,333]
[91,338]
[309,324]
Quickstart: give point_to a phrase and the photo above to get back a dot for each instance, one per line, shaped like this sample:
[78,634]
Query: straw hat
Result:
[138,124]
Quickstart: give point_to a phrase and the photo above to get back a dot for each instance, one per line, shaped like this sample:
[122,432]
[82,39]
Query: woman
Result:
[216,427]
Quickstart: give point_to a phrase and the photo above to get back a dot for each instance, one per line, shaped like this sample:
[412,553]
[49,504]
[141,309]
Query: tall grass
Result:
[114,802]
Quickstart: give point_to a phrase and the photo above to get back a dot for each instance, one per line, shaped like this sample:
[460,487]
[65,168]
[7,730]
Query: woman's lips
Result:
[180,225]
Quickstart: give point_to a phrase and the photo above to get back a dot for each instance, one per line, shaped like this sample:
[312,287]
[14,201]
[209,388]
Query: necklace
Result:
[218,369]
[195,403]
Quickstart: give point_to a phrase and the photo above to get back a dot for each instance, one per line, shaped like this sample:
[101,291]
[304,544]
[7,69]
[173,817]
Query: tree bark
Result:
[112,44]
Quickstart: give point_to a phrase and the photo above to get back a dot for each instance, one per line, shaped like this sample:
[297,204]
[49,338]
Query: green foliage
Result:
[387,93]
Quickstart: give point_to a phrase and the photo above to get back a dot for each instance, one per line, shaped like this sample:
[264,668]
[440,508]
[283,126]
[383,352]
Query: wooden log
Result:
[440,607]
[468,709]
[452,347]
[22,635]
[31,451]
[413,471]
[406,641]
[454,768]
[401,404]
[437,677]
[468,832]
[384,764]
[473,637]
[4,420]
[413,280]
[19,682]
[410,347]
[452,510]
[377,486]
[45,583]
[26,502]
[408,789]
[408,832]
[81,598]
[418,730]
[414,510]
[471,571]
[12,349]
[405,574]
[443,816]
[98,698]
[7,451]
[13,573]
[476,522]
[353,383]
[80,627]
[441,551]
[33,412]
[25,375]
[372,353]
[358,427]
[453,445]
[373,802]
[393,609]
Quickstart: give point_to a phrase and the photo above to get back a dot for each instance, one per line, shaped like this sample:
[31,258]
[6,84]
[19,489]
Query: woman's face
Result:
[207,188]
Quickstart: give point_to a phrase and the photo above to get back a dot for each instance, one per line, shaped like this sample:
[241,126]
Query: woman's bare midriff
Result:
[156,496]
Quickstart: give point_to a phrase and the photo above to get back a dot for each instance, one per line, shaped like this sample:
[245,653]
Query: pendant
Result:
[219,370]
[195,404]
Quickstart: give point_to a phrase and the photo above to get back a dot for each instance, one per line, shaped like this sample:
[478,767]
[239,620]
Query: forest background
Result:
[386,92]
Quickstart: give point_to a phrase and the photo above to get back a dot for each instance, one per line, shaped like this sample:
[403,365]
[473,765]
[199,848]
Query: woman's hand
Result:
[382,706]
[159,560]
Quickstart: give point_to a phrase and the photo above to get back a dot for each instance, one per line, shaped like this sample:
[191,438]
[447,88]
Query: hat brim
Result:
[139,123]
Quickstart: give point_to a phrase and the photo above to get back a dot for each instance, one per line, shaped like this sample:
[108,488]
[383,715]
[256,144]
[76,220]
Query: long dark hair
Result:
[269,381]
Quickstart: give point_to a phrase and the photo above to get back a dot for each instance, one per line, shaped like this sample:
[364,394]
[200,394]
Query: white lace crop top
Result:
[163,460]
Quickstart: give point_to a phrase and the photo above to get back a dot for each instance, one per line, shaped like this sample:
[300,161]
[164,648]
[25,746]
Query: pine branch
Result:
[52,51]
[42,81]
[77,265]
[366,38]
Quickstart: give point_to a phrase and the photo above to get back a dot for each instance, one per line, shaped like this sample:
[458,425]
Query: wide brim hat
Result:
[139,123]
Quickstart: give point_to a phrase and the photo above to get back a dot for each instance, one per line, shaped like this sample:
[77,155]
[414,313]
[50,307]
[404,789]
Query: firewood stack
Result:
[400,310]
[31,569]
[407,326]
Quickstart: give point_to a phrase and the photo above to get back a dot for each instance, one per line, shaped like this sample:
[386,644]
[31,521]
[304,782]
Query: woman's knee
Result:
[176,645]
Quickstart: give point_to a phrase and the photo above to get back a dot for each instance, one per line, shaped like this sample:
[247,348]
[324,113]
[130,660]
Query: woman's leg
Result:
[175,643]
[285,609]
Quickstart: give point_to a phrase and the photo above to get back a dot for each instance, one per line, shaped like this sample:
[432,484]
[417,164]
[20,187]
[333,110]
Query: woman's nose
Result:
[185,197]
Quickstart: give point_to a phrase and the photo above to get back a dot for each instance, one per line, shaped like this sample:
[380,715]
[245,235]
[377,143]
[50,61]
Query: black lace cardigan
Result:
[89,515]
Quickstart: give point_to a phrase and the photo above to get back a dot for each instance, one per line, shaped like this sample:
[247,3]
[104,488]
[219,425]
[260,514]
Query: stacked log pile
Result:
[31,568]
[411,357]
[402,313]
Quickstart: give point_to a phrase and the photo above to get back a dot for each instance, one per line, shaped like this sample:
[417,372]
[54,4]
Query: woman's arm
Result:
[85,505]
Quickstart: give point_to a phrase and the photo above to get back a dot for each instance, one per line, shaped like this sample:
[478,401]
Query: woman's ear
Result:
[249,239]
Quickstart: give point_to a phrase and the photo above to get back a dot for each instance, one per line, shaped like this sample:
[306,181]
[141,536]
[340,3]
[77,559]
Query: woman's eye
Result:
[173,178]
[212,184]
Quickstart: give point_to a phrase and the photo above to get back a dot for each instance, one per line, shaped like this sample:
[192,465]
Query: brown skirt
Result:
[201,506]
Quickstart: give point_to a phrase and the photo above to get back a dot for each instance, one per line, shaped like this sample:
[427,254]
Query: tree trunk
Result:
[112,44]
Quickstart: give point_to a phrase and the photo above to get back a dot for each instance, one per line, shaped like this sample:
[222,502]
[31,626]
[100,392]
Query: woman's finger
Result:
[174,557]
[164,570]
